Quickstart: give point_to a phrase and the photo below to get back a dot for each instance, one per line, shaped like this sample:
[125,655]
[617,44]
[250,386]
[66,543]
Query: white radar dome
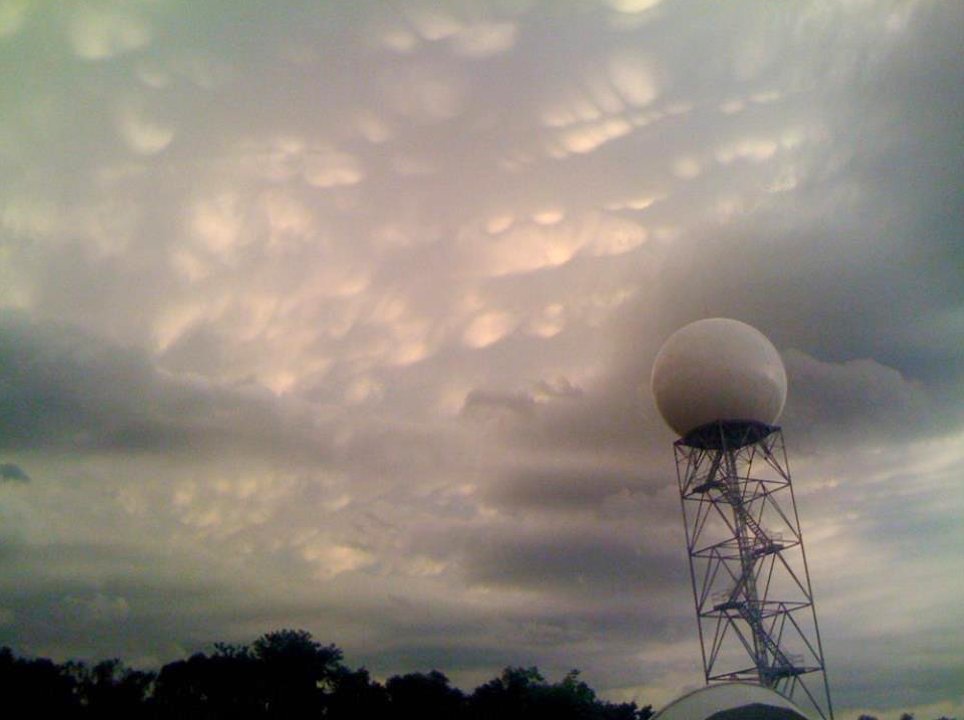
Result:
[731,701]
[718,369]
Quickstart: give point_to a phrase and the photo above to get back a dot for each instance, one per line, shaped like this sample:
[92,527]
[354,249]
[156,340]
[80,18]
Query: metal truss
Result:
[754,604]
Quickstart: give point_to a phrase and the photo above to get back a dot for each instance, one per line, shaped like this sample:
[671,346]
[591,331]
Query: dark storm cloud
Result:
[548,638]
[857,400]
[878,200]
[61,388]
[9,472]
[544,489]
[94,600]
[591,447]
[487,405]
[482,403]
[857,675]
[568,562]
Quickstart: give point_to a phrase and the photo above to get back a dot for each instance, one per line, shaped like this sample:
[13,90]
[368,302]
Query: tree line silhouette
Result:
[287,674]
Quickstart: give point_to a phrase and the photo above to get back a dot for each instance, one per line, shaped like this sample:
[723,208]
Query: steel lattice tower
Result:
[754,604]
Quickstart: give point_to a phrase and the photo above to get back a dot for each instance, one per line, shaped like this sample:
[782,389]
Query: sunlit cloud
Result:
[12,14]
[400,40]
[488,328]
[549,241]
[632,6]
[331,169]
[411,343]
[633,78]
[548,217]
[569,113]
[586,138]
[364,389]
[218,222]
[499,224]
[374,129]
[431,21]
[598,110]
[550,321]
[527,248]
[99,33]
[153,75]
[288,218]
[142,134]
[687,167]
[640,203]
[751,150]
[331,560]
[616,238]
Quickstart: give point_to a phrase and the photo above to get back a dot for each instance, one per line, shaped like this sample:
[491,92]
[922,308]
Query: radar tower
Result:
[721,385]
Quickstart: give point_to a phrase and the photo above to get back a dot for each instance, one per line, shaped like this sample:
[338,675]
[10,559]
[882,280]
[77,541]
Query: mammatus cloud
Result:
[66,390]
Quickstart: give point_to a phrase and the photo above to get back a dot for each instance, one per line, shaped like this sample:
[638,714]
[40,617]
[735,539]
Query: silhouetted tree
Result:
[353,695]
[524,693]
[507,697]
[109,689]
[288,674]
[181,689]
[225,685]
[296,671]
[41,685]
[425,695]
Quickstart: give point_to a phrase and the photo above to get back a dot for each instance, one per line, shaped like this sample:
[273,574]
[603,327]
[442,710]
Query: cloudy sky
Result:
[340,316]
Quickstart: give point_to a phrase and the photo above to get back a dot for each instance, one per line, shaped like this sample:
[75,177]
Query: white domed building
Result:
[731,701]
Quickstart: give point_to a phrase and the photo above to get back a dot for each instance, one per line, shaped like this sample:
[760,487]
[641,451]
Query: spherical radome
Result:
[718,369]
[731,701]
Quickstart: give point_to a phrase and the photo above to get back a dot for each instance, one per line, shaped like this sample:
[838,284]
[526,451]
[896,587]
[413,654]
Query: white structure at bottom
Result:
[731,701]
